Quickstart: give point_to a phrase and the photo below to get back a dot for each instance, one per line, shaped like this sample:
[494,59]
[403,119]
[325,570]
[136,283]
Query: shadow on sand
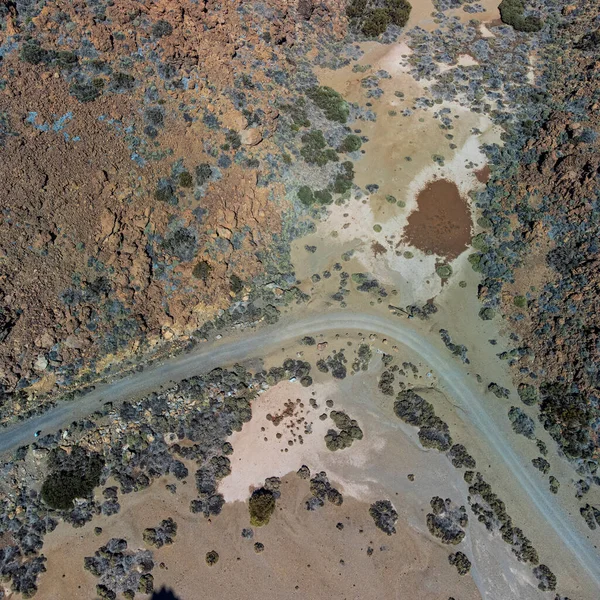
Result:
[164,594]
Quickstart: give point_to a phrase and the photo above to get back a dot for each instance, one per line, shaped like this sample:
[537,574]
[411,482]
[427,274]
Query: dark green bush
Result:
[236,284]
[261,506]
[122,82]
[31,52]
[72,476]
[306,196]
[65,59]
[323,197]
[314,149]
[87,91]
[351,143]
[330,102]
[343,180]
[185,179]
[512,13]
[376,23]
[202,270]
[203,173]
[372,17]
[161,29]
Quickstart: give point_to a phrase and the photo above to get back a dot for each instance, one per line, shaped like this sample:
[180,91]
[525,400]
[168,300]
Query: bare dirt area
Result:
[442,222]
[305,555]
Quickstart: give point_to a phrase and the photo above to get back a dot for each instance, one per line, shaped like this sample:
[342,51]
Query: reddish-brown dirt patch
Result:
[442,222]
[483,174]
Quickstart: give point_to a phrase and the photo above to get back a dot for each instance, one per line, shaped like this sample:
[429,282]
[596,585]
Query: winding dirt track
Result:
[260,343]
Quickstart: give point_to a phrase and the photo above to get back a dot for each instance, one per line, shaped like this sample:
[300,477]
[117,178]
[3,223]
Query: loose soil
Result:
[442,222]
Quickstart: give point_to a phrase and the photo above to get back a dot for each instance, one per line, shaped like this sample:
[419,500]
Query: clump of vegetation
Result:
[591,515]
[330,102]
[161,29]
[521,422]
[460,457]
[447,522]
[528,394]
[486,313]
[165,193]
[203,173]
[122,82]
[343,180]
[314,149]
[351,143]
[202,270]
[541,464]
[308,197]
[261,506]
[546,578]
[212,558]
[71,476]
[185,179]
[349,431]
[461,562]
[415,410]
[87,91]
[498,390]
[162,535]
[384,515]
[512,12]
[322,490]
[443,271]
[373,17]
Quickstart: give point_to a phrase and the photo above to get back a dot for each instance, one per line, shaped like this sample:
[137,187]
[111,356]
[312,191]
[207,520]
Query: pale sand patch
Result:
[485,32]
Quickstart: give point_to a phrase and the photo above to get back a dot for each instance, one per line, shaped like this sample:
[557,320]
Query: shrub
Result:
[520,301]
[122,82]
[323,197]
[65,59]
[161,29]
[164,192]
[203,173]
[261,506]
[373,17]
[512,13]
[87,91]
[330,102]
[72,476]
[185,179]
[376,22]
[181,243]
[528,394]
[212,558]
[306,196]
[202,270]
[315,151]
[444,271]
[343,180]
[32,53]
[236,284]
[351,143]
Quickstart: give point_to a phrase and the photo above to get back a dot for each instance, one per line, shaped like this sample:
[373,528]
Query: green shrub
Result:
[185,179]
[376,22]
[65,59]
[306,196]
[351,143]
[122,82]
[343,180]
[32,53]
[72,476]
[323,197]
[330,102]
[315,151]
[512,13]
[203,173]
[261,506]
[520,301]
[236,284]
[373,17]
[444,271]
[487,313]
[161,29]
[87,91]
[202,270]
